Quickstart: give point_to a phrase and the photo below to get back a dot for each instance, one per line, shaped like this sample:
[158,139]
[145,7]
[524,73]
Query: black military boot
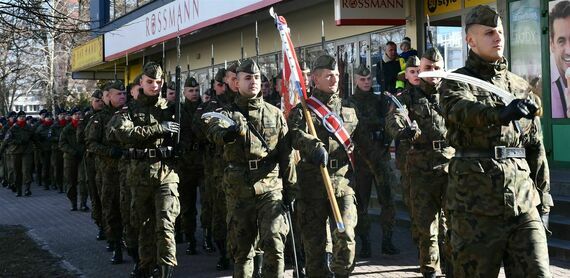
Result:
[73,207]
[365,251]
[101,234]
[166,271]
[28,193]
[191,249]
[207,245]
[388,247]
[110,246]
[328,261]
[134,253]
[117,253]
[84,207]
[223,261]
[258,266]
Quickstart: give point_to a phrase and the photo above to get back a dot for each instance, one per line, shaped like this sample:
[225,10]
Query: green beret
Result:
[325,62]
[98,94]
[248,66]
[483,15]
[191,82]
[152,70]
[432,54]
[264,78]
[21,113]
[115,84]
[171,85]
[233,67]
[220,75]
[362,70]
[413,61]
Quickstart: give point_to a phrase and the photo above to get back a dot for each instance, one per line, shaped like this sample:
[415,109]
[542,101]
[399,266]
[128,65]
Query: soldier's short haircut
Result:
[391,43]
[560,11]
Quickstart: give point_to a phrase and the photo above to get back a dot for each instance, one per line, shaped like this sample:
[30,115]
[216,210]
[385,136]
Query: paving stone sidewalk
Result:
[71,235]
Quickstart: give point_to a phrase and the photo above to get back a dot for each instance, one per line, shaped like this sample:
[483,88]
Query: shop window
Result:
[377,43]
[447,37]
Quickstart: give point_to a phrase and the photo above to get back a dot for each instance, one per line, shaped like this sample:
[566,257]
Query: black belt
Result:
[254,164]
[499,152]
[435,145]
[162,152]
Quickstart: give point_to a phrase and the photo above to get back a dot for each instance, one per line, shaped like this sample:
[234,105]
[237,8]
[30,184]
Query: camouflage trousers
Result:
[429,227]
[74,180]
[44,168]
[22,165]
[214,186]
[313,219]
[156,208]
[383,179]
[57,169]
[263,214]
[94,188]
[108,168]
[481,243]
[129,222]
[191,180]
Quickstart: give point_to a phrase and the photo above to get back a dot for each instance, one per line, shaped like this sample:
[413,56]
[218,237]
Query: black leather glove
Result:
[288,199]
[320,156]
[514,111]
[532,107]
[116,152]
[411,133]
[232,134]
[170,127]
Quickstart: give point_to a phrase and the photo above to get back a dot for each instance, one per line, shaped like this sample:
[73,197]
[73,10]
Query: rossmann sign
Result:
[369,12]
[176,18]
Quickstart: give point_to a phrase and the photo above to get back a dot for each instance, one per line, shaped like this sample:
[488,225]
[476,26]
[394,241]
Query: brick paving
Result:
[71,235]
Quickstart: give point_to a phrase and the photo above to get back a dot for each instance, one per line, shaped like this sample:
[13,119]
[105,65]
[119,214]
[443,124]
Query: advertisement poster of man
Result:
[559,23]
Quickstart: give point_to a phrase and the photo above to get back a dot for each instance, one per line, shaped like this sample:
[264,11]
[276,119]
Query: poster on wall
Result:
[559,27]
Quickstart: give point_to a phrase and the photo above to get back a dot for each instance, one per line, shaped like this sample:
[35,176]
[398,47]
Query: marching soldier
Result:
[259,168]
[44,149]
[8,169]
[93,186]
[107,159]
[18,144]
[56,154]
[312,200]
[372,161]
[38,151]
[146,127]
[499,175]
[192,171]
[426,162]
[214,163]
[72,154]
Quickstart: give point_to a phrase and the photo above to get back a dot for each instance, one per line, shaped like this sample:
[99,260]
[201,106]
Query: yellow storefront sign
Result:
[87,54]
[436,7]
[473,3]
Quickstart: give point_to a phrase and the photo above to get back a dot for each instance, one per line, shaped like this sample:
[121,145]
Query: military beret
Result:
[98,94]
[60,111]
[12,114]
[304,67]
[264,78]
[220,75]
[21,113]
[116,84]
[43,111]
[74,110]
[137,80]
[325,62]
[233,67]
[152,70]
[362,70]
[248,66]
[191,82]
[29,118]
[413,61]
[432,54]
[171,85]
[483,15]
[49,115]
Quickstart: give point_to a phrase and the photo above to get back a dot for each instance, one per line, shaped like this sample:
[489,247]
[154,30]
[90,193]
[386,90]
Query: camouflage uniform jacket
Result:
[138,126]
[53,135]
[95,133]
[42,133]
[248,152]
[68,143]
[423,106]
[191,146]
[372,141]
[19,140]
[83,126]
[310,183]
[509,186]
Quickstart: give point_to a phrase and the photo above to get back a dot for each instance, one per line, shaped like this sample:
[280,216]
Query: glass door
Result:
[447,35]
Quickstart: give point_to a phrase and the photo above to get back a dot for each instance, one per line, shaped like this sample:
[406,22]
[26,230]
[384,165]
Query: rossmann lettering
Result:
[365,4]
